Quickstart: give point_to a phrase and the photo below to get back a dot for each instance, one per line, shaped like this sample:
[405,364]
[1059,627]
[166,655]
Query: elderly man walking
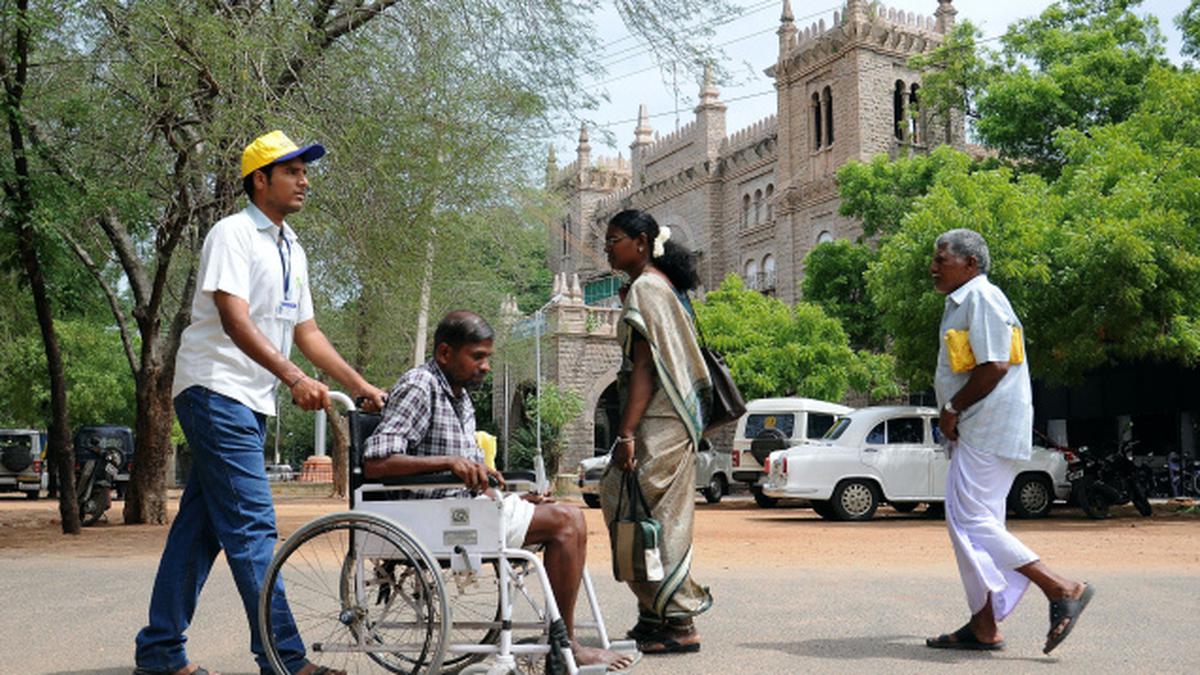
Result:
[983,388]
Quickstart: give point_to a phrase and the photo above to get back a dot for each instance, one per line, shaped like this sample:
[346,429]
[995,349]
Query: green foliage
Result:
[776,350]
[1080,64]
[880,193]
[1102,264]
[1188,22]
[558,408]
[99,386]
[834,279]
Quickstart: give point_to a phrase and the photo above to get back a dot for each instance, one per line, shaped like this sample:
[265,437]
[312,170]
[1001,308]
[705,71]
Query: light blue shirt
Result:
[1000,423]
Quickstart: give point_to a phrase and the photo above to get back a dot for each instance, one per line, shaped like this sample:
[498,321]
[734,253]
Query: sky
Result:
[750,46]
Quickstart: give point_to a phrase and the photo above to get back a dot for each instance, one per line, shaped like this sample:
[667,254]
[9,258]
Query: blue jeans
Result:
[226,506]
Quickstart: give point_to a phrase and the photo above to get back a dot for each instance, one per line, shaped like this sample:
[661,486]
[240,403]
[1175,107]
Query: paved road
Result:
[79,616]
[68,613]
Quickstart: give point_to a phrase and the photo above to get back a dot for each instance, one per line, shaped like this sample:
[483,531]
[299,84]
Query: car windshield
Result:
[760,422]
[837,429]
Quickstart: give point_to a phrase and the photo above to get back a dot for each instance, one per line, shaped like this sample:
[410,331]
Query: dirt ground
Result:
[731,535]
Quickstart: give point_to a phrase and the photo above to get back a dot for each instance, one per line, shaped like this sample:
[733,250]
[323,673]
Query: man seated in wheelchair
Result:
[428,426]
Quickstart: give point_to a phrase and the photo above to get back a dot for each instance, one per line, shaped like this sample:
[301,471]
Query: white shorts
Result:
[516,514]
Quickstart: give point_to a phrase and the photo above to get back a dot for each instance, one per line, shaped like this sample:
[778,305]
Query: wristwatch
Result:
[949,407]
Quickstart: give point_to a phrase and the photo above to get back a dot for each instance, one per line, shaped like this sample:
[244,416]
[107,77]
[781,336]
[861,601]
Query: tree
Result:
[558,408]
[1189,24]
[776,350]
[1102,264]
[1080,64]
[880,193]
[17,26]
[834,279]
[144,107]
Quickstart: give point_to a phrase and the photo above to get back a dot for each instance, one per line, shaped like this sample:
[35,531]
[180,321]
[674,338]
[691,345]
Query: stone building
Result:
[752,202]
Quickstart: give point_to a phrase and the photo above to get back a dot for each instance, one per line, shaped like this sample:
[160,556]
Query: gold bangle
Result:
[631,439]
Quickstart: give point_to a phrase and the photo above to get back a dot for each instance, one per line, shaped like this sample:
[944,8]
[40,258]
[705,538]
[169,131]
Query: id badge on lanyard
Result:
[288,308]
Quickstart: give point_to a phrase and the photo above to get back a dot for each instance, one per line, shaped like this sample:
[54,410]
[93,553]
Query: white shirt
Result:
[244,256]
[1001,422]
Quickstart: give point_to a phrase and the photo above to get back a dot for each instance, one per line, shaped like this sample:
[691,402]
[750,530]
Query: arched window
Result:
[745,210]
[816,109]
[824,237]
[751,275]
[770,207]
[757,206]
[828,96]
[914,113]
[768,266]
[898,110]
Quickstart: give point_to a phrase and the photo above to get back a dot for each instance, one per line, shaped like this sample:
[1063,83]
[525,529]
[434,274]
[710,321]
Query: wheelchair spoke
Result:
[363,595]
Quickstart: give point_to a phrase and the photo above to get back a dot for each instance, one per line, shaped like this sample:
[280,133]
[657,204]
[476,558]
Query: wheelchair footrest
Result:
[597,669]
[624,646]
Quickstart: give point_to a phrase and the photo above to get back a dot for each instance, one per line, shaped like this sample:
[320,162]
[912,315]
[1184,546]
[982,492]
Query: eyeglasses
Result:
[609,242]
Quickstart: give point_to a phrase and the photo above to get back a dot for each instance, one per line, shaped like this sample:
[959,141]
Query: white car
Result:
[893,454]
[712,475]
[772,424]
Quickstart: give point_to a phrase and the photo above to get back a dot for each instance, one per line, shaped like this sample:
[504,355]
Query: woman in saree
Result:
[665,391]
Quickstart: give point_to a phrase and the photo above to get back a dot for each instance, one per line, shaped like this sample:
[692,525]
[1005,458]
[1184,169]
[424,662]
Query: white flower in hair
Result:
[664,235]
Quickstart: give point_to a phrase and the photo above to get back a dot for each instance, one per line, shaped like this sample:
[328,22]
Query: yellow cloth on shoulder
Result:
[962,358]
[487,443]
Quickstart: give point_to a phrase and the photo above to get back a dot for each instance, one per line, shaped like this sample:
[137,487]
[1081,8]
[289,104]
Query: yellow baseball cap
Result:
[276,147]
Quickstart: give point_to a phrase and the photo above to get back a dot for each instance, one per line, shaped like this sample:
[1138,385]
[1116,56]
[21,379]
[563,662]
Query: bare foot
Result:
[589,656]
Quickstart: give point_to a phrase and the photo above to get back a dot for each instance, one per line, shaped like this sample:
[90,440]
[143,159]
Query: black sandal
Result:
[963,638]
[1069,609]
[663,642]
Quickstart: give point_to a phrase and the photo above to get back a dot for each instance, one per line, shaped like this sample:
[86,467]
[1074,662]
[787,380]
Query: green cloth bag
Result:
[635,540]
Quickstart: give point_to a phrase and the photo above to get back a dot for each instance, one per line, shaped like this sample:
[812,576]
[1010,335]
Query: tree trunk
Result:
[146,498]
[19,191]
[340,427]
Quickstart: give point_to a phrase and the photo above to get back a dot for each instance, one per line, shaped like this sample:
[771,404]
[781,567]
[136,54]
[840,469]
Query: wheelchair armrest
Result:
[420,480]
[519,476]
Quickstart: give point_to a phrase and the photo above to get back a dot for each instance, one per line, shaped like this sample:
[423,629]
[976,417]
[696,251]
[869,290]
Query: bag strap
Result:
[635,495]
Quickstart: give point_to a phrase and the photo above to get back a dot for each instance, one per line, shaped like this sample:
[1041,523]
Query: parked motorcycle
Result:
[1099,483]
[97,474]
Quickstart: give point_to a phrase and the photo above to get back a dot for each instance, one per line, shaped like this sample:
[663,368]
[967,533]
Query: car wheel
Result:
[855,499]
[905,507]
[715,489]
[823,508]
[763,501]
[593,501]
[1031,496]
[32,494]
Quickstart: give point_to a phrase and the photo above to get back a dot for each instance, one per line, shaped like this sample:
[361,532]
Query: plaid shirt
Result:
[423,418]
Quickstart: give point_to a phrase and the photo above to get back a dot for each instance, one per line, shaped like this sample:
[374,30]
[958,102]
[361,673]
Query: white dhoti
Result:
[988,556]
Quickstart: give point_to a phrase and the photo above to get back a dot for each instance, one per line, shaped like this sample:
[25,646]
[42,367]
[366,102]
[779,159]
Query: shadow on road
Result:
[904,647]
[115,671]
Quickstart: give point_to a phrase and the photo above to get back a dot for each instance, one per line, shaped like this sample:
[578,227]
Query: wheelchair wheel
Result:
[363,593]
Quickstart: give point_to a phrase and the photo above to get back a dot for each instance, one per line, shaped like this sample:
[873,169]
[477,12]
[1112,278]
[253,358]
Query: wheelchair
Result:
[420,585]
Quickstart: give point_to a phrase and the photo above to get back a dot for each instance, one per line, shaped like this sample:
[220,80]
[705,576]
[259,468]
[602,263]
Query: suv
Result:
[895,454]
[95,439]
[773,424]
[21,461]
[712,474]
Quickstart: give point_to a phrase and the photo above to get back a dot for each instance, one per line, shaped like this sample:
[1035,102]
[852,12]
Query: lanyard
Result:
[285,262]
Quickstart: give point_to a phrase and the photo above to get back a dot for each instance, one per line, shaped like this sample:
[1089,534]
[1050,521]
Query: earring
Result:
[639,249]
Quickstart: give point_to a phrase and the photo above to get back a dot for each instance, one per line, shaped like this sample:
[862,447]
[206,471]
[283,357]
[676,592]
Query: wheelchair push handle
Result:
[348,403]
